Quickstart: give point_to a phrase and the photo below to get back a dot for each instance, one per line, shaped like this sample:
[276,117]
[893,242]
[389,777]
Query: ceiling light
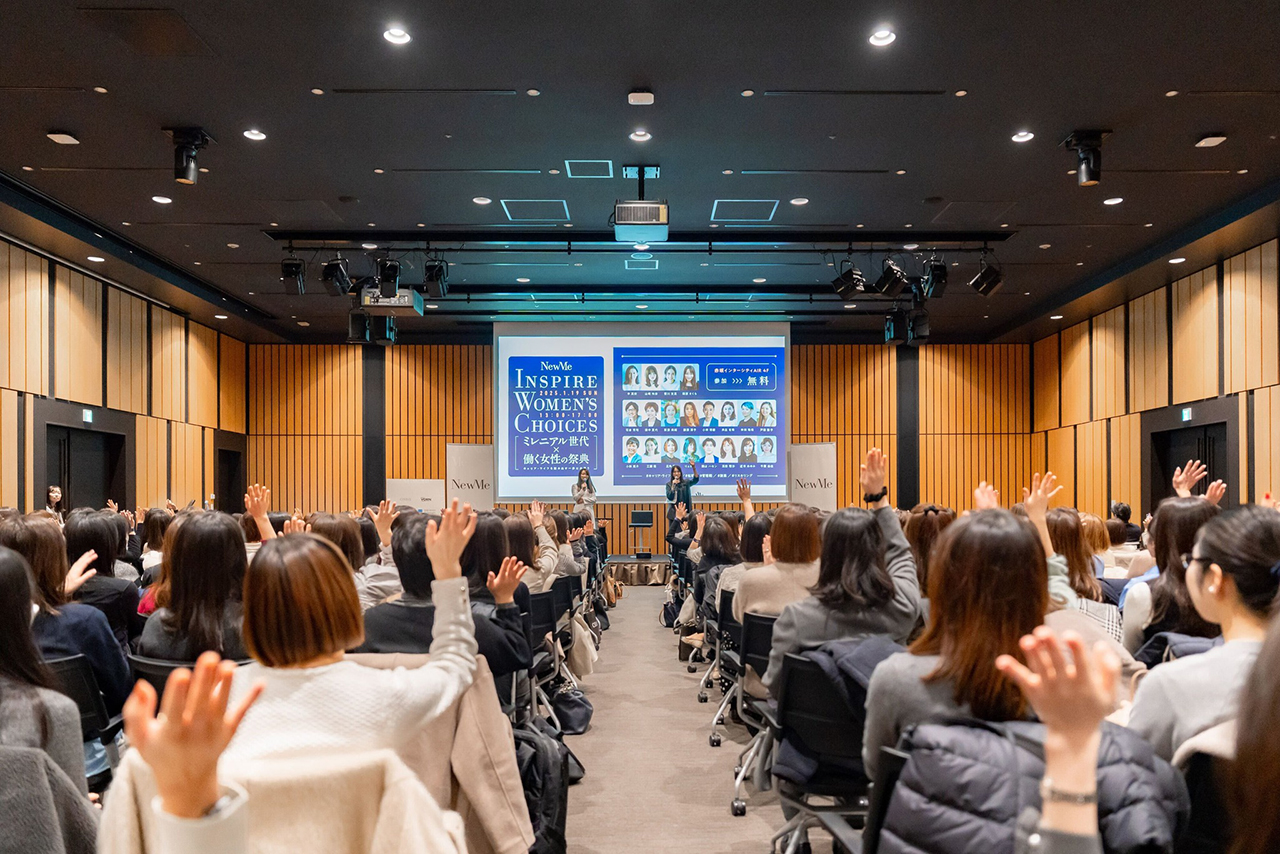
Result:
[197,263]
[396,35]
[431,306]
[910,246]
[934,283]
[1148,225]
[1178,260]
[101,90]
[303,323]
[1087,144]
[378,171]
[892,280]
[97,259]
[759,281]
[882,37]
[533,93]
[317,91]
[859,225]
[1023,136]
[1079,263]
[1045,245]
[28,169]
[641,135]
[908,225]
[219,317]
[162,200]
[553,171]
[62,137]
[747,93]
[1114,200]
[522,280]
[368,246]
[422,225]
[901,172]
[233,245]
[255,135]
[642,246]
[704,264]
[715,225]
[372,224]
[1055,317]
[988,280]
[274,224]
[126,223]
[577,264]
[642,305]
[1172,93]
[1241,171]
[568,225]
[204,170]
[482,200]
[727,172]
[960,93]
[294,270]
[851,305]
[642,256]
[1211,140]
[800,201]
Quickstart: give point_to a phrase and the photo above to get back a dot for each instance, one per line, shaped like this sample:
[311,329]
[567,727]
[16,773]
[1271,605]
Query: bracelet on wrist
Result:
[873,497]
[1050,794]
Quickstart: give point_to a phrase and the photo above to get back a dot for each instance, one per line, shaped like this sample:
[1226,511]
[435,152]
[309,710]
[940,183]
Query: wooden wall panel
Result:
[128,352]
[1266,441]
[77,337]
[1241,484]
[231,390]
[24,320]
[1149,351]
[1060,458]
[168,365]
[1047,384]
[1126,462]
[1076,377]
[1108,357]
[305,424]
[1092,466]
[202,375]
[152,439]
[186,464]
[1195,336]
[1250,320]
[9,448]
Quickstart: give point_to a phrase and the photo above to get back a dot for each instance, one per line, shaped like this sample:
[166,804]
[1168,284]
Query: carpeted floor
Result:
[653,782]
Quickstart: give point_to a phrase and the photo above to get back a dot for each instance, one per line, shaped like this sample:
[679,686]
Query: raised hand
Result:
[183,743]
[767,547]
[1214,493]
[871,474]
[681,510]
[744,489]
[128,517]
[537,510]
[1185,477]
[257,501]
[170,506]
[503,585]
[1070,695]
[700,521]
[387,513]
[986,497]
[112,506]
[1036,499]
[445,542]
[79,573]
[296,525]
[575,534]
[589,527]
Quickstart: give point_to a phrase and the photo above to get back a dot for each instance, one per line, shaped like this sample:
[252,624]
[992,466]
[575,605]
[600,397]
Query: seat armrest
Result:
[841,831]
[111,730]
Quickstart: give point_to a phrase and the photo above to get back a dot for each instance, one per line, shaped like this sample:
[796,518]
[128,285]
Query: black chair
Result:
[711,643]
[857,841]
[814,712]
[155,671]
[1209,830]
[74,677]
[562,595]
[542,622]
[757,642]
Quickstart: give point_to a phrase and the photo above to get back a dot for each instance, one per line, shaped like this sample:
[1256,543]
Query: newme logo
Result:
[478,483]
[820,483]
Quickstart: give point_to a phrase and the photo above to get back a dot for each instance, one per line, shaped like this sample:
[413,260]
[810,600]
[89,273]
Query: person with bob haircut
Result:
[1066,531]
[867,581]
[923,527]
[94,531]
[1231,575]
[375,582]
[529,542]
[301,613]
[205,582]
[988,586]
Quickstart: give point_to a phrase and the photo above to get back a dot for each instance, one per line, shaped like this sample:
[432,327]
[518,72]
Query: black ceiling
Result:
[833,118]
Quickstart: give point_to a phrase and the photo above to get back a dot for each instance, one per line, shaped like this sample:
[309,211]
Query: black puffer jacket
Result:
[966,783]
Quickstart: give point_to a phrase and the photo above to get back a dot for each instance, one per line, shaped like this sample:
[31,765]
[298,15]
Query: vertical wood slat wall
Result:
[77,318]
[1195,336]
[436,394]
[24,321]
[128,352]
[305,406]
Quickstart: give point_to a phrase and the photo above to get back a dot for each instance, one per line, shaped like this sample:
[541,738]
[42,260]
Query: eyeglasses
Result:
[1188,559]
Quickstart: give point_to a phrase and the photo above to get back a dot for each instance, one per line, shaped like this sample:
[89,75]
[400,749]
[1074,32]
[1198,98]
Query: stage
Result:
[634,571]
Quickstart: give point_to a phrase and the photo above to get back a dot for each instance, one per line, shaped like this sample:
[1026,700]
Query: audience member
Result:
[1123,513]
[1099,543]
[154,525]
[529,542]
[94,531]
[924,524]
[1067,535]
[719,544]
[751,547]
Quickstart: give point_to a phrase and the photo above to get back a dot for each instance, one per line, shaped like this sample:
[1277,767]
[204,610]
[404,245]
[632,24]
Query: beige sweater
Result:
[767,590]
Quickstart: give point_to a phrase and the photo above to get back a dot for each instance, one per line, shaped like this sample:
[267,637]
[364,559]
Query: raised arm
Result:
[1036,501]
[257,503]
[744,495]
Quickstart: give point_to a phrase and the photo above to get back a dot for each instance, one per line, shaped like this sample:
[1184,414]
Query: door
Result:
[88,465]
[229,481]
[1173,448]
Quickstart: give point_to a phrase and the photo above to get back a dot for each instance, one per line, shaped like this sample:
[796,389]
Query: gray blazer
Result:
[19,726]
[808,624]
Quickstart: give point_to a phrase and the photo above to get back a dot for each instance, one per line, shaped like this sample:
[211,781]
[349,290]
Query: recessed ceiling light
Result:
[704,264]
[255,135]
[101,90]
[747,93]
[204,170]
[219,317]
[1211,140]
[533,93]
[1172,93]
[274,224]
[431,306]
[882,37]
[28,169]
[368,246]
[985,316]
[1241,171]
[960,93]
[422,225]
[197,263]
[317,91]
[642,305]
[62,137]
[1178,260]
[396,35]
[859,225]
[577,264]
[800,201]
[523,280]
[97,259]
[1045,245]
[759,281]
[1055,317]
[641,135]
[372,224]
[568,225]
[1023,136]
[161,200]
[553,171]
[1071,171]
[251,293]
[726,172]
[715,225]
[1114,200]
[233,245]
[851,305]
[910,246]
[1026,293]
[482,200]
[378,171]
[126,223]
[908,225]
[642,246]
[303,323]
[1004,225]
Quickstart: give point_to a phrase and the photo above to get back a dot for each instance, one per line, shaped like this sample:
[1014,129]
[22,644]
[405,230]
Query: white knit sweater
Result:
[345,707]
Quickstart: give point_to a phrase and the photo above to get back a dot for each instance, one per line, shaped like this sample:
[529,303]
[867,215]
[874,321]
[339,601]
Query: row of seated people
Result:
[937,617]
[293,597]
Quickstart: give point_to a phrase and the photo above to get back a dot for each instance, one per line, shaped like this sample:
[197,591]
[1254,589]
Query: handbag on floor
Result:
[572,709]
[544,774]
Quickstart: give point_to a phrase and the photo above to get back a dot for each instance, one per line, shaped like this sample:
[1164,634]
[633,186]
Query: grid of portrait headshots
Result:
[662,376]
[684,414]
[728,431]
[702,449]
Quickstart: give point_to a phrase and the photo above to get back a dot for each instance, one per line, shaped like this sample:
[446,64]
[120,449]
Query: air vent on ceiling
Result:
[633,264]
[972,213]
[743,210]
[422,91]
[150,32]
[858,93]
[536,210]
[588,168]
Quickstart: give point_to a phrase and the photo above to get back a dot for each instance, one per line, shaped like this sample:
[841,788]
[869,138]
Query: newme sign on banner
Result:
[469,475]
[813,475]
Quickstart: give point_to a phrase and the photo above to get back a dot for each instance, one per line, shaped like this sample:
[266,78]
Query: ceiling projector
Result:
[640,222]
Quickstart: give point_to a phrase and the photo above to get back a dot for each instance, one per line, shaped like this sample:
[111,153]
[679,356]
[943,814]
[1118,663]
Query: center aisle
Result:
[653,782]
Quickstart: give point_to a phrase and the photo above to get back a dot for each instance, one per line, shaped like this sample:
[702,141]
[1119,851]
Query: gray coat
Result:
[20,726]
[808,624]
[40,810]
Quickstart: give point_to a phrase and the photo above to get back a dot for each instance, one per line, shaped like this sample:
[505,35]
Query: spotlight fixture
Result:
[850,282]
[357,328]
[255,135]
[895,327]
[1023,136]
[934,284]
[388,277]
[294,270]
[335,278]
[883,37]
[397,35]
[918,328]
[892,280]
[187,142]
[1087,144]
[988,280]
[641,135]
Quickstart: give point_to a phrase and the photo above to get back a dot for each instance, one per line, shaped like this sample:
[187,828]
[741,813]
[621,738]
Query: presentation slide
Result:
[627,403]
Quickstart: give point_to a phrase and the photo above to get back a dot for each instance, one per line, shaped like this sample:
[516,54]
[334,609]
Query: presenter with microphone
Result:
[680,491]
[584,494]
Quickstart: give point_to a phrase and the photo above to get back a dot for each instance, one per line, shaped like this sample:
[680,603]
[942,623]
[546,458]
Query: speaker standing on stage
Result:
[679,490]
[584,494]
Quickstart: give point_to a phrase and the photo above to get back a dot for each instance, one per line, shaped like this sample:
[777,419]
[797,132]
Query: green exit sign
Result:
[1186,413]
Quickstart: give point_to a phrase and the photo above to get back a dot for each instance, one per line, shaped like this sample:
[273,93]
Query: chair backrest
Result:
[1209,831]
[74,677]
[155,671]
[730,629]
[757,641]
[542,614]
[888,770]
[576,586]
[562,593]
[526,620]
[813,710]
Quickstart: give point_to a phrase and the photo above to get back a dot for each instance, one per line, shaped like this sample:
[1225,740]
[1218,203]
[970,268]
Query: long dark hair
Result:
[1067,535]
[590,484]
[522,544]
[754,530]
[39,541]
[1255,775]
[1173,532]
[988,586]
[56,506]
[92,529]
[674,471]
[206,563]
[924,525]
[484,553]
[1245,543]
[21,666]
[719,543]
[852,572]
[154,525]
